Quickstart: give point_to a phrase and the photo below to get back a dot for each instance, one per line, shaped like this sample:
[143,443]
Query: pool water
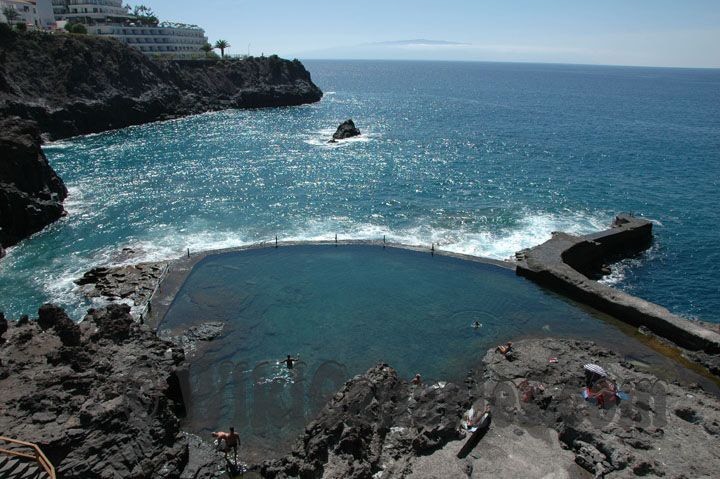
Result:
[340,310]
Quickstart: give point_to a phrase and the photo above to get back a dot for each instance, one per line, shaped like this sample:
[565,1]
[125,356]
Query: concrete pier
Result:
[564,263]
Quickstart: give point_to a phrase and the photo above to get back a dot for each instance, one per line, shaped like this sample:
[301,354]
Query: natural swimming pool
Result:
[341,310]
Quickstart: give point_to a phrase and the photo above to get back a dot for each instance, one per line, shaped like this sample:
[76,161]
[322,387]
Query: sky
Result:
[675,33]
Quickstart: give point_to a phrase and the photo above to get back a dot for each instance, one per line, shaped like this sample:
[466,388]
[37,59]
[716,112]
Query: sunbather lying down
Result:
[504,348]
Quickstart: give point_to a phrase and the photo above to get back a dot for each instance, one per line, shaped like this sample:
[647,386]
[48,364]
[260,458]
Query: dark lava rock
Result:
[113,322]
[203,332]
[3,324]
[134,282]
[373,415]
[346,129]
[51,316]
[105,407]
[31,193]
[380,426]
[78,84]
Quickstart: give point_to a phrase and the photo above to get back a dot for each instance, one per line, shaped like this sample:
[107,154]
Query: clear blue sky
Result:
[625,32]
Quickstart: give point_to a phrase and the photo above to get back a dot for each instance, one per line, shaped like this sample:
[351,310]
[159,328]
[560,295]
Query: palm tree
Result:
[222,45]
[207,48]
[11,14]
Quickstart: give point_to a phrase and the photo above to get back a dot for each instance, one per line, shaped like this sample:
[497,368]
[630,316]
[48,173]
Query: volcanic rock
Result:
[31,193]
[77,84]
[51,316]
[346,129]
[135,283]
[380,426]
[107,406]
[375,419]
[3,324]
[204,332]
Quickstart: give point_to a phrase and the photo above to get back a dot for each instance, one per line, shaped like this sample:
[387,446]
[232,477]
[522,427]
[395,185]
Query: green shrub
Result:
[78,28]
[20,27]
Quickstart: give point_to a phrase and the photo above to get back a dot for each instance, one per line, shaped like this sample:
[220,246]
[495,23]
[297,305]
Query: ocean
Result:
[478,158]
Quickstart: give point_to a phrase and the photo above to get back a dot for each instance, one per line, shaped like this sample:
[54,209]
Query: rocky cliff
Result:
[31,193]
[78,84]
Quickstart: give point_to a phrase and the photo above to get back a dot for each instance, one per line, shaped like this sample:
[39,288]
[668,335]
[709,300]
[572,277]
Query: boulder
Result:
[346,129]
[52,316]
[114,322]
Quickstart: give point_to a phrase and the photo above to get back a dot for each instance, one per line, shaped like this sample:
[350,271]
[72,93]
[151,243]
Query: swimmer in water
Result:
[290,361]
[476,324]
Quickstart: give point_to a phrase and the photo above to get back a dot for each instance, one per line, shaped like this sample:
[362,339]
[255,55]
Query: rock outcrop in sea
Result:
[31,193]
[346,130]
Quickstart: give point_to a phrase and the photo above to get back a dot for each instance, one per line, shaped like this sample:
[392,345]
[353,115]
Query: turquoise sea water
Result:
[479,158]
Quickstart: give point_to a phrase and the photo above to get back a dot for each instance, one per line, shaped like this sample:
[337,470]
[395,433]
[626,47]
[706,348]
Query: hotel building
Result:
[110,18]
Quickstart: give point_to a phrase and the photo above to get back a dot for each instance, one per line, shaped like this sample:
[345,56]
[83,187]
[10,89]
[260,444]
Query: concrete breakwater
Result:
[564,262]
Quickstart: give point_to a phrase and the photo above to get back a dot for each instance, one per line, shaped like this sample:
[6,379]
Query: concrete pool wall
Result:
[563,262]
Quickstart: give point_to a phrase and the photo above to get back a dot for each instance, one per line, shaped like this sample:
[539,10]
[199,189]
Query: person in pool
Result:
[290,361]
[476,324]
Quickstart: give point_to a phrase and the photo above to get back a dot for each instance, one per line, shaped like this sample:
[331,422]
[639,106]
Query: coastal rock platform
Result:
[104,398]
[132,284]
[383,427]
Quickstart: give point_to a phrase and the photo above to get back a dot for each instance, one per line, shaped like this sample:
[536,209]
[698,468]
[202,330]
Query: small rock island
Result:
[347,129]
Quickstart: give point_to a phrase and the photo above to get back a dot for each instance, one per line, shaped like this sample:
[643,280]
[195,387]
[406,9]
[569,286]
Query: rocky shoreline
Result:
[58,86]
[379,426]
[104,399]
[131,284]
[78,84]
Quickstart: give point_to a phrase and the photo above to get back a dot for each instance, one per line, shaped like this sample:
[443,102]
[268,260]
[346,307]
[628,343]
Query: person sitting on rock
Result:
[417,380]
[231,440]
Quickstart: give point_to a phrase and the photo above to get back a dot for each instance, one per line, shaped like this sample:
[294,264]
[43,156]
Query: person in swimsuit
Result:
[232,440]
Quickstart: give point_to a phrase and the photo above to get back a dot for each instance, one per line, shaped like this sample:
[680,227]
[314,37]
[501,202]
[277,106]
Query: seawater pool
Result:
[341,310]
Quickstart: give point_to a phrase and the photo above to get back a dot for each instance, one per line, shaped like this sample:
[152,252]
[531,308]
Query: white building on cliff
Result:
[110,18]
[33,13]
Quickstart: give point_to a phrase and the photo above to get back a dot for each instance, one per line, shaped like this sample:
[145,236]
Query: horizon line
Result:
[509,62]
